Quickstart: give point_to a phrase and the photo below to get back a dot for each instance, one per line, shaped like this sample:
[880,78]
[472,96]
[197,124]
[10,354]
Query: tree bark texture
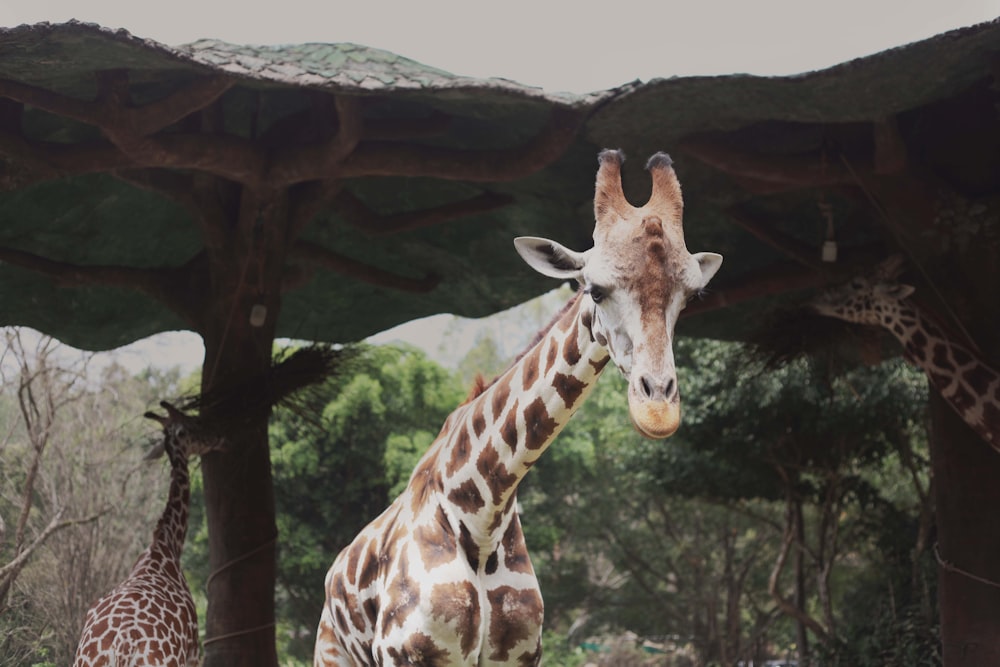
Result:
[967,497]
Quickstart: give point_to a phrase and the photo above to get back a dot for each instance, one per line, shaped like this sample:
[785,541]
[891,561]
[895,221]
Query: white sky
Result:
[560,45]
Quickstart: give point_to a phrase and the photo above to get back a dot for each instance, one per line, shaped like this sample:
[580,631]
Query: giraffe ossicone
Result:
[962,377]
[442,576]
[149,619]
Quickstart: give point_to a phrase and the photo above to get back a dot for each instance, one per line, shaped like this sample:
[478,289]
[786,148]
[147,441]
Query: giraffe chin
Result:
[655,419]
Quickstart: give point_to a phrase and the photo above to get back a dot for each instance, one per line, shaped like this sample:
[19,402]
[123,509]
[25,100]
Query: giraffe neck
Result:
[962,378]
[171,529]
[488,444]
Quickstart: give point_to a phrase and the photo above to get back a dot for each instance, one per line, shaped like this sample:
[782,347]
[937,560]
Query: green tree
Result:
[745,528]
[76,499]
[338,458]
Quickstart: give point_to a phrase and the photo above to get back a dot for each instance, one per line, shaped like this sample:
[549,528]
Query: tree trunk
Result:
[239,495]
[801,596]
[967,505]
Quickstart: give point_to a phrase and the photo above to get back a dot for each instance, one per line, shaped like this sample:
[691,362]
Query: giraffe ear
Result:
[550,258]
[709,263]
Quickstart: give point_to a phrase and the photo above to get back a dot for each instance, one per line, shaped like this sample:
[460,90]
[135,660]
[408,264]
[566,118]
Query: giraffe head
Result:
[866,299]
[638,277]
[183,436]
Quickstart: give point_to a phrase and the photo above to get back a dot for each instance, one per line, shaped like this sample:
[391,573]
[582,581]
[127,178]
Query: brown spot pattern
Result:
[539,425]
[509,429]
[515,616]
[991,417]
[436,541]
[461,446]
[979,379]
[941,359]
[404,596]
[568,387]
[529,368]
[458,604]
[550,357]
[478,420]
[469,546]
[961,356]
[419,650]
[492,563]
[467,497]
[353,558]
[515,552]
[501,393]
[571,350]
[426,479]
[499,515]
[369,569]
[498,479]
[599,365]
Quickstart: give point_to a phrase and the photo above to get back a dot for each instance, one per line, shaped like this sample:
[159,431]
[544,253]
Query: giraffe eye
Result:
[596,293]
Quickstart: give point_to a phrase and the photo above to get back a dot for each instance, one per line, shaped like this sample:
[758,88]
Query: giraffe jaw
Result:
[655,419]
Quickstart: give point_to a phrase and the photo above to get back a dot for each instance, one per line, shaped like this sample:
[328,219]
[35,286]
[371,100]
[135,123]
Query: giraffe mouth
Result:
[655,419]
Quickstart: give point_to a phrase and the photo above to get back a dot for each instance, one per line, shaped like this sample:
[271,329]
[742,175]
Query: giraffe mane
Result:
[480,385]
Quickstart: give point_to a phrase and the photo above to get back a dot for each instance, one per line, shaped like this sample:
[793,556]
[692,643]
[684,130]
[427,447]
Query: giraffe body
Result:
[966,382]
[149,619]
[443,577]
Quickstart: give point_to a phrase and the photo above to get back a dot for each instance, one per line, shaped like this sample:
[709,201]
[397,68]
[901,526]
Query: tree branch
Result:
[361,271]
[397,129]
[315,161]
[110,112]
[785,605]
[784,171]
[164,285]
[55,524]
[786,277]
[358,214]
[795,249]
[388,159]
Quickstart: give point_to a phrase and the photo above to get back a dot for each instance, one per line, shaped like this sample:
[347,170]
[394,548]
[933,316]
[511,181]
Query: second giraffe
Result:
[442,577]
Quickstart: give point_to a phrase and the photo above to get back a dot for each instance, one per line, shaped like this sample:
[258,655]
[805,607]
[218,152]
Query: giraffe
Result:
[966,382]
[442,576]
[150,618]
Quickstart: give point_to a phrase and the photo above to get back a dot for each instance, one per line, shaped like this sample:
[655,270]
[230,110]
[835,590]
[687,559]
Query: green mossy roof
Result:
[96,219]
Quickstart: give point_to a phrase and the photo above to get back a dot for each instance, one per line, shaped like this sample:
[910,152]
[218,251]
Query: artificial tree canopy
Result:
[406,184]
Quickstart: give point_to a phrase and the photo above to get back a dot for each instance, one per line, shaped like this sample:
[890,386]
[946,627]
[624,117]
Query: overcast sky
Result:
[560,45]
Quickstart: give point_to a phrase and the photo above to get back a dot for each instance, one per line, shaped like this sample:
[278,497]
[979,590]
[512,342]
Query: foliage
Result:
[338,458]
[77,445]
[789,515]
[680,538]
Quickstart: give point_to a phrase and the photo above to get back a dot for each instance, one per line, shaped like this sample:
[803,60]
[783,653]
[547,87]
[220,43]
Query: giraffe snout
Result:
[654,405]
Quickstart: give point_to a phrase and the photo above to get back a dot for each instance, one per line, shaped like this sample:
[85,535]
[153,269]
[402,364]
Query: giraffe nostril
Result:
[654,390]
[647,391]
